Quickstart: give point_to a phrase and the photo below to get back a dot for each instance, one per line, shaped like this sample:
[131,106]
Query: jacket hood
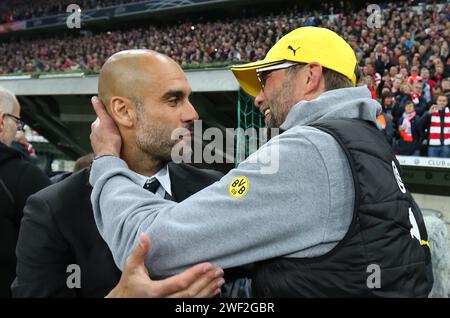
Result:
[353,102]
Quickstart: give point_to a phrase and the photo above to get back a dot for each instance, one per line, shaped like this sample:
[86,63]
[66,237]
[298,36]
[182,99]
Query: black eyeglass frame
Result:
[262,76]
[19,122]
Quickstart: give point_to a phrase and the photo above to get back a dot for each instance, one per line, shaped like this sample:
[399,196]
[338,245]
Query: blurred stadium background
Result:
[53,69]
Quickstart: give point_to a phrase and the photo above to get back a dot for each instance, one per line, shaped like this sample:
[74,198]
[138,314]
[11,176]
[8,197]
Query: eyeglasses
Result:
[263,73]
[262,78]
[19,122]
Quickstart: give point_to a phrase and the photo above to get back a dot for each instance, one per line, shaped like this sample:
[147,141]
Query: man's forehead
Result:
[161,80]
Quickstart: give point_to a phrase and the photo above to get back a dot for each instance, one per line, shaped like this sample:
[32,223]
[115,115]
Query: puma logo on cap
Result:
[293,50]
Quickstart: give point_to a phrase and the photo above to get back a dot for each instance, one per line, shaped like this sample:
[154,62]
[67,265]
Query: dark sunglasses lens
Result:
[262,78]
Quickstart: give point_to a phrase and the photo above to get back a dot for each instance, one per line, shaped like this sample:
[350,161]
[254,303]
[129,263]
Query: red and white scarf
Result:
[406,131]
[435,128]
[415,98]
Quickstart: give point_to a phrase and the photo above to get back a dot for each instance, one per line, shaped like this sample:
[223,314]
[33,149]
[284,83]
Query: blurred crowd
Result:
[241,39]
[405,60]
[19,10]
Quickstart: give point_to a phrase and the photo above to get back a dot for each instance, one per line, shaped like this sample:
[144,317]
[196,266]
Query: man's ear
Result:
[122,111]
[314,79]
[2,122]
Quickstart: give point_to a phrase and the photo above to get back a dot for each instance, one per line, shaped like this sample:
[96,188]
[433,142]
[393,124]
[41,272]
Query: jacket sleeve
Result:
[42,255]
[397,109]
[279,215]
[421,108]
[424,121]
[389,130]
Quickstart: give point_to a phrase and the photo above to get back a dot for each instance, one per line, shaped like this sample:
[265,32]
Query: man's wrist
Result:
[102,165]
[105,155]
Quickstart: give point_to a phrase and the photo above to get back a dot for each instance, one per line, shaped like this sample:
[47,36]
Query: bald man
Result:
[18,180]
[60,251]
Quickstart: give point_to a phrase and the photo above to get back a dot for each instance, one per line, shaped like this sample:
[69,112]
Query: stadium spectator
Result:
[387,102]
[18,180]
[428,84]
[385,121]
[416,96]
[368,80]
[396,87]
[410,132]
[81,163]
[20,143]
[414,77]
[386,118]
[439,71]
[437,122]
[400,99]
[446,88]
[374,75]
[393,71]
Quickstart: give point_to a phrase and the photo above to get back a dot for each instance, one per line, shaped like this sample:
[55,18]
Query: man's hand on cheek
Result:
[105,136]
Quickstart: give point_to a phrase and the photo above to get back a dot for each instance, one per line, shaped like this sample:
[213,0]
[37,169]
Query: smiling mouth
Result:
[266,111]
[267,114]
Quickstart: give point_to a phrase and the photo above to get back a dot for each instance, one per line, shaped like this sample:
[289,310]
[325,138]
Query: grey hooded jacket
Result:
[298,204]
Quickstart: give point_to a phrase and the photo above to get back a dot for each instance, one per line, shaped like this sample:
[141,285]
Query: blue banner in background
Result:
[116,11]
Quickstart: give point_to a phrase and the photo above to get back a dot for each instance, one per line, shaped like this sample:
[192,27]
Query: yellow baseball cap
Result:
[305,45]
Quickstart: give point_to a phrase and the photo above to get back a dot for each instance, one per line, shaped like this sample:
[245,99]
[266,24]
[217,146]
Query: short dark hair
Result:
[333,79]
[409,101]
[387,94]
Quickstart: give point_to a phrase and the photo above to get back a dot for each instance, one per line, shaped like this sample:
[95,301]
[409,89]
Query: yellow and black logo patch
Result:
[238,187]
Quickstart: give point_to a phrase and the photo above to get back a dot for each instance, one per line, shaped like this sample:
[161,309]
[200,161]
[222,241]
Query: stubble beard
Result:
[153,140]
[280,102]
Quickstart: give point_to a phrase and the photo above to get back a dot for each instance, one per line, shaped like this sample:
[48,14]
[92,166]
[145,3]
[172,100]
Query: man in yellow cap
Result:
[334,218]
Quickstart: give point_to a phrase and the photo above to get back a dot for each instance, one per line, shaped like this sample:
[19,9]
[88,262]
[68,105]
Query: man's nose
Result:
[189,113]
[259,99]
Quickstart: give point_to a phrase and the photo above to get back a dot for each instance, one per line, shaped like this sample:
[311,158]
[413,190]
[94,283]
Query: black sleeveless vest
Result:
[385,252]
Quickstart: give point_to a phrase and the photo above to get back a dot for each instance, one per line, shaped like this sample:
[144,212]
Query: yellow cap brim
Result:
[246,75]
